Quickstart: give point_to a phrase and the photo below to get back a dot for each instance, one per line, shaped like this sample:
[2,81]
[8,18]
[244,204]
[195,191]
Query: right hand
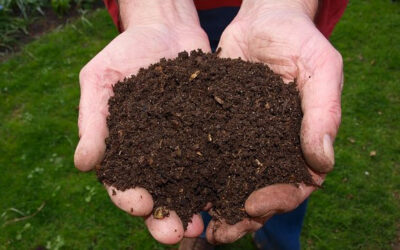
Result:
[282,35]
[142,43]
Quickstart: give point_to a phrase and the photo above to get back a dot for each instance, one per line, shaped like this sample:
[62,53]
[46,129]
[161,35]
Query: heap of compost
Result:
[199,129]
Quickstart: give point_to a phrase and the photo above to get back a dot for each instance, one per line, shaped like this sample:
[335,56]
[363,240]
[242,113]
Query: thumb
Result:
[96,89]
[322,110]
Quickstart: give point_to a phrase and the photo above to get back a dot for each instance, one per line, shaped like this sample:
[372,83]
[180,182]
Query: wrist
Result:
[306,8]
[166,12]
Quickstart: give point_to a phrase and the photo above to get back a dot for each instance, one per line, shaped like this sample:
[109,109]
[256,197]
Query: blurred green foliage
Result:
[16,15]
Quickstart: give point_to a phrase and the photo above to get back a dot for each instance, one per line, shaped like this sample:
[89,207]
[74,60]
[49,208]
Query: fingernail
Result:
[328,150]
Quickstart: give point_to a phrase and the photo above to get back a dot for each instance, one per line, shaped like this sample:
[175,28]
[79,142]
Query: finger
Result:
[322,110]
[168,230]
[195,227]
[219,232]
[279,198]
[276,198]
[136,201]
[96,89]
[91,146]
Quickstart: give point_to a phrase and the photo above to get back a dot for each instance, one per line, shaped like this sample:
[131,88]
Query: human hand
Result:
[153,30]
[282,35]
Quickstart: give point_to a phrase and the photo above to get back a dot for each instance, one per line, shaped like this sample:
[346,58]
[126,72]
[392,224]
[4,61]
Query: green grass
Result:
[359,207]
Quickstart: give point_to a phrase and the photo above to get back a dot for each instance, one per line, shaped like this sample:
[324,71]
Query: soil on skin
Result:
[201,129]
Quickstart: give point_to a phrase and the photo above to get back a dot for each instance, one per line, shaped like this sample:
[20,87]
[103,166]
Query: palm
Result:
[293,48]
[125,55]
[138,48]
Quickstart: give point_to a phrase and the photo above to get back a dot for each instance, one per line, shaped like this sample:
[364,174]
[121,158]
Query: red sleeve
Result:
[112,7]
[329,11]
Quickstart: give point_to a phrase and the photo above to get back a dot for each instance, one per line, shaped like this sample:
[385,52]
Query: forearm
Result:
[168,12]
[260,7]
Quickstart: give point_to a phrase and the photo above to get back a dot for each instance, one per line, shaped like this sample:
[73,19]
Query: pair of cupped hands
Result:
[280,34]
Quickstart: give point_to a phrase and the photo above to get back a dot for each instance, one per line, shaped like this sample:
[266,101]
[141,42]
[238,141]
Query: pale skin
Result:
[278,33]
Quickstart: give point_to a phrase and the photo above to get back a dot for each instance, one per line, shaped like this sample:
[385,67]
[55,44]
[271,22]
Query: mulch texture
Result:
[200,129]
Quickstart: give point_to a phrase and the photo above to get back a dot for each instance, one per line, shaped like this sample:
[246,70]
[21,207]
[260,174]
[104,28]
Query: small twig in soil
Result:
[194,75]
[161,213]
[219,100]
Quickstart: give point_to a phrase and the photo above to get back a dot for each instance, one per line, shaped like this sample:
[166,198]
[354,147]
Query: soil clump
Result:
[200,129]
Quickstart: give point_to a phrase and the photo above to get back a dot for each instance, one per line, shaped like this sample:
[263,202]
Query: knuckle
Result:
[330,57]
[337,57]
[85,74]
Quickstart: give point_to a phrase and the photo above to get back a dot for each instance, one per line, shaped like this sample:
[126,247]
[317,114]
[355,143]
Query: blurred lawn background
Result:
[358,208]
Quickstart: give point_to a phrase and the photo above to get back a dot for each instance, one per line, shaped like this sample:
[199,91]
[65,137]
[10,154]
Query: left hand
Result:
[282,35]
[152,30]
